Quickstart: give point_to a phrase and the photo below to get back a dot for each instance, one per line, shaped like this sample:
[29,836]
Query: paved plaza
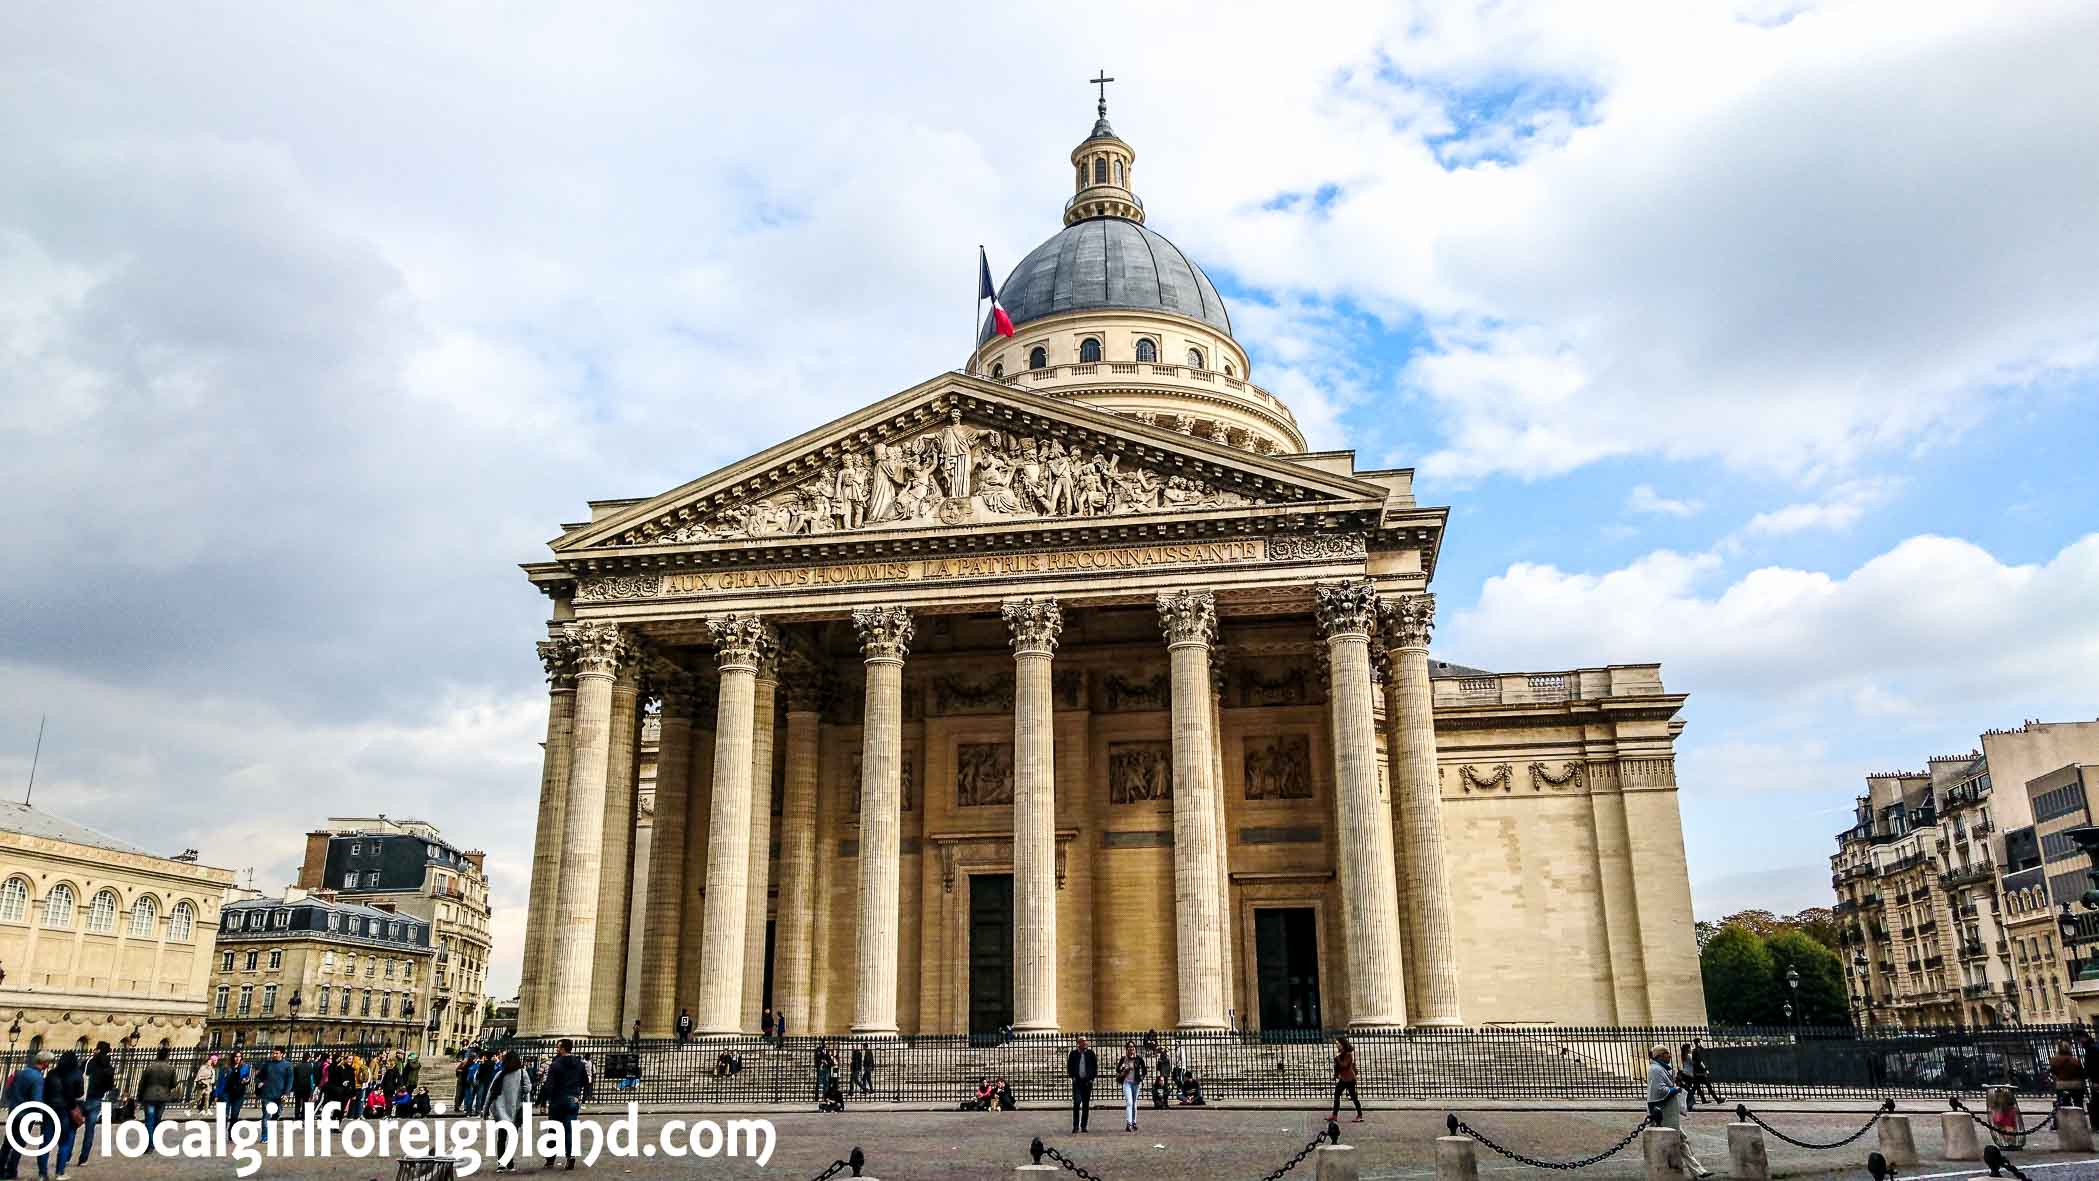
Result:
[1225,1143]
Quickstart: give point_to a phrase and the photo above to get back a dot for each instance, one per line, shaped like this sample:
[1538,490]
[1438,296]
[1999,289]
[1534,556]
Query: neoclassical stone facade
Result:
[1098,703]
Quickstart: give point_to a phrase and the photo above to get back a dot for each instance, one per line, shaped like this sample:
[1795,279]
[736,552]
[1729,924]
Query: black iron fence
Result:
[1498,1062]
[193,1064]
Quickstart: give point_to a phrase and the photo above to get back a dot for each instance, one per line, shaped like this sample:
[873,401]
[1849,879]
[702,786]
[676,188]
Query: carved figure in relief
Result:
[1139,772]
[994,483]
[1279,768]
[849,493]
[954,442]
[983,774]
[1063,491]
[1093,486]
[888,477]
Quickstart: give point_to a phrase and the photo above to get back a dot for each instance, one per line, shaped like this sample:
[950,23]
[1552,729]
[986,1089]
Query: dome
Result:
[1109,262]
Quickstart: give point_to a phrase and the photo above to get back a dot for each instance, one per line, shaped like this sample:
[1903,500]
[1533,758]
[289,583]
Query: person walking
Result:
[484,1076]
[204,1082]
[1082,1066]
[273,1085]
[506,1111]
[826,1065]
[1702,1072]
[1345,1079]
[157,1087]
[1129,1075]
[684,1026]
[232,1088]
[412,1072]
[1665,1103]
[64,1088]
[26,1086]
[779,1030]
[867,1072]
[101,1088]
[302,1083]
[2068,1069]
[856,1062]
[566,1090]
[463,1076]
[765,1026]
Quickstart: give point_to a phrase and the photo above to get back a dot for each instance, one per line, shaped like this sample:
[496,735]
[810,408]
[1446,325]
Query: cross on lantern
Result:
[1102,81]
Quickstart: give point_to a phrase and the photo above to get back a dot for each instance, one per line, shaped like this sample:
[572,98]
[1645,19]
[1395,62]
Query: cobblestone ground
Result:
[1224,1143]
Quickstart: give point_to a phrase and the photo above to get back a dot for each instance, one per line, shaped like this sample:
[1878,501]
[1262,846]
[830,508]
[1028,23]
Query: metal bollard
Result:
[2073,1130]
[1745,1153]
[1664,1150]
[1456,1159]
[1897,1142]
[1336,1162]
[1957,1129]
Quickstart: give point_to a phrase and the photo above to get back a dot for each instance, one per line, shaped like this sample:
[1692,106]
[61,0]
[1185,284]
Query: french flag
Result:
[1000,322]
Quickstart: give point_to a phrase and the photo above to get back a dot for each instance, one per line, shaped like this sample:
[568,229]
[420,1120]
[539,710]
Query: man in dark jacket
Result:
[1082,1066]
[27,1086]
[157,1087]
[101,1088]
[684,1025]
[273,1085]
[566,1089]
[302,1082]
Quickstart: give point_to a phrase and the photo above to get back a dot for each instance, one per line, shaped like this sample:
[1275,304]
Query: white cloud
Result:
[1644,499]
[1837,511]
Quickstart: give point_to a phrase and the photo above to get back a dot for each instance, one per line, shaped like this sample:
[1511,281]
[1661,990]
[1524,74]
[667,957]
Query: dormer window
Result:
[1090,350]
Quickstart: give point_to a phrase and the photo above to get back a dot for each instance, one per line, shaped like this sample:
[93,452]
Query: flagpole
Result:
[970,366]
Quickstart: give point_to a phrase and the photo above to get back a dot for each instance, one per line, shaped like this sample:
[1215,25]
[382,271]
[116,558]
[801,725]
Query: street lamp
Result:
[131,1054]
[1792,983]
[14,1033]
[292,1006]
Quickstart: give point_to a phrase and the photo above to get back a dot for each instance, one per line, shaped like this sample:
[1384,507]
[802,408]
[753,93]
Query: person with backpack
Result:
[26,1086]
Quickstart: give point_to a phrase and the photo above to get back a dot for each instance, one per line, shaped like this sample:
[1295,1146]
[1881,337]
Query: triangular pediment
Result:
[960,453]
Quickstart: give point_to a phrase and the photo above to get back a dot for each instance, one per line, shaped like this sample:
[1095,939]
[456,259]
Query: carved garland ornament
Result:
[1285,547]
[615,587]
[1473,781]
[1570,774]
[944,476]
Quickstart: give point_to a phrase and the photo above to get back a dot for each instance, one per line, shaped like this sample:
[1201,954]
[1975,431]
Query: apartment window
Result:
[218,1002]
[364,1008]
[356,848]
[386,1004]
[276,958]
[389,969]
[346,1002]
[322,1007]
[371,967]
[350,965]
[408,971]
[350,880]
[269,998]
[249,965]
[328,962]
[247,999]
[284,918]
[226,962]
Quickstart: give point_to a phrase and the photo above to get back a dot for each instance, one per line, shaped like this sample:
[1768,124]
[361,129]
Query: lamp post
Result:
[291,1006]
[1793,985]
[1865,986]
[14,1033]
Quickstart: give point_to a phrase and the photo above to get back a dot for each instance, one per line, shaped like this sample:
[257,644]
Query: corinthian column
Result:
[1369,900]
[1189,619]
[885,639]
[600,650]
[608,987]
[740,643]
[764,698]
[801,686]
[559,656]
[1410,745]
[1035,624]
[663,925]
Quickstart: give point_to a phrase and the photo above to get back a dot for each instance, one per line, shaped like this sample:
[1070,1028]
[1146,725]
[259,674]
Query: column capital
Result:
[1188,617]
[601,648]
[1034,624]
[1346,608]
[559,657]
[885,632]
[742,641]
[1407,620]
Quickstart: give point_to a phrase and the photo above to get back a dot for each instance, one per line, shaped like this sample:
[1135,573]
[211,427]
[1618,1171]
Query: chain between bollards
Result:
[1332,1133]
[1742,1112]
[854,1160]
[1037,1149]
[2043,1126]
[1459,1127]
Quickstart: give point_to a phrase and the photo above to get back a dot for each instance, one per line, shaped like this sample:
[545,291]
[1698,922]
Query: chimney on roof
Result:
[188,855]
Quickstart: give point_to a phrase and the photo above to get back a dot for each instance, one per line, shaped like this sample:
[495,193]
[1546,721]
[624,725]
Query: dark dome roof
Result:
[1109,262]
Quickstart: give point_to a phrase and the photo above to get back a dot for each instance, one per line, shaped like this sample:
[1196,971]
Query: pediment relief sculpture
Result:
[958,472]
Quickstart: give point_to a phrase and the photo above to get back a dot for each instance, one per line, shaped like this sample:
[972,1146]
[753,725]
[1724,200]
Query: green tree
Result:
[1737,970]
[1820,998]
[1819,923]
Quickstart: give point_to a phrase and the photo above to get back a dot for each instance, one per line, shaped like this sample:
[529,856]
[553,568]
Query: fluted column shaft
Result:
[1190,622]
[757,901]
[663,925]
[1035,625]
[1369,897]
[885,640]
[608,981]
[793,948]
[600,649]
[740,643]
[1417,790]
[699,814]
[559,656]
[1225,925]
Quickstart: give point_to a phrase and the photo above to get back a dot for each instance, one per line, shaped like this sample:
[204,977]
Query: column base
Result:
[876,1035]
[1032,1027]
[1438,1023]
[1203,1027]
[1377,1024]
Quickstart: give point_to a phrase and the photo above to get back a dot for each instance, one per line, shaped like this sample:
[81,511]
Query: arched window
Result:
[998,369]
[181,923]
[58,907]
[145,915]
[1147,351]
[1100,170]
[1090,349]
[1195,358]
[1118,172]
[14,900]
[102,913]
[1038,358]
[1228,370]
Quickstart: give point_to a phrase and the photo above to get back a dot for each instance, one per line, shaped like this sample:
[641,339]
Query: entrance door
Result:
[1286,958]
[990,952]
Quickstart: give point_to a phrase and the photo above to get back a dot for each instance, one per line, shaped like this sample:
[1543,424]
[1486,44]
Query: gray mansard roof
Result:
[28,821]
[1109,262]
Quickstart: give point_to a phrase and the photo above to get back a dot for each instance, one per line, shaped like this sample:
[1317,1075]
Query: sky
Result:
[1758,339]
